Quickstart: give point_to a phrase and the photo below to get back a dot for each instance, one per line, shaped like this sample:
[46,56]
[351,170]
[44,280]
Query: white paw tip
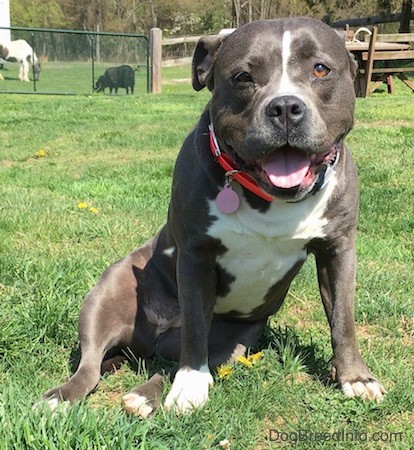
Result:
[189,390]
[52,404]
[184,404]
[372,390]
[137,404]
[347,390]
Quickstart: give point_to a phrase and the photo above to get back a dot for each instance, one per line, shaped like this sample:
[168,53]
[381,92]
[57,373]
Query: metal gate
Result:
[71,61]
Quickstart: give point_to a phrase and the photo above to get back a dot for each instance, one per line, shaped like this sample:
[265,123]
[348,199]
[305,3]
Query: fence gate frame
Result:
[92,35]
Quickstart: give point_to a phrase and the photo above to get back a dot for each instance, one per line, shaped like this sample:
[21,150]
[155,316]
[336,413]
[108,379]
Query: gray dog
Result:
[263,180]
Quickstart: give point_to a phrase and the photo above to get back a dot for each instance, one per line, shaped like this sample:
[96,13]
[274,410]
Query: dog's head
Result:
[36,70]
[36,66]
[99,85]
[283,100]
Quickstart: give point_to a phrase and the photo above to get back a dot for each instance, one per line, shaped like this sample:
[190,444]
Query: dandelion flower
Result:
[224,371]
[245,361]
[250,360]
[93,210]
[82,205]
[41,153]
[255,357]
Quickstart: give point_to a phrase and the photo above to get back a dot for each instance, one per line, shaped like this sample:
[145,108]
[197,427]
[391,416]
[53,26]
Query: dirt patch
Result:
[406,327]
[7,163]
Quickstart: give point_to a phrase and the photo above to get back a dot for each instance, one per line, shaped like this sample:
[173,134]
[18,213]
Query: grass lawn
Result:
[66,78]
[86,179]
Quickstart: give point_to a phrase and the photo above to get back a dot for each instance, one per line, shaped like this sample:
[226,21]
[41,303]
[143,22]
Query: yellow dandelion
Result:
[224,371]
[250,360]
[245,361]
[82,205]
[41,153]
[94,210]
[255,357]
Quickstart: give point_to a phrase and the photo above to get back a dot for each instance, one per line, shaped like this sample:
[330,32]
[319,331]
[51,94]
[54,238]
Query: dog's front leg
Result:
[336,274]
[196,281]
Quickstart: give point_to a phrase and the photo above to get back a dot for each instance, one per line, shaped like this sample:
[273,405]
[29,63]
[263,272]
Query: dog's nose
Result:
[288,109]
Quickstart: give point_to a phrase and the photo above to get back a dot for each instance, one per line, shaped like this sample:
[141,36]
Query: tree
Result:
[184,17]
[384,7]
[406,16]
[32,13]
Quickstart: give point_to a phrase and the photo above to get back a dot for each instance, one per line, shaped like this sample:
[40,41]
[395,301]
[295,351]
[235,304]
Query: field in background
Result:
[65,78]
[115,155]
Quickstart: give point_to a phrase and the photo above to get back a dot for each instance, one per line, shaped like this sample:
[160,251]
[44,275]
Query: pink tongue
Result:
[287,168]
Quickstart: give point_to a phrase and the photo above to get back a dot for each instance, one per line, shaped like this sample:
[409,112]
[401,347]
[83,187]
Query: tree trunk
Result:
[98,28]
[264,7]
[236,13]
[406,16]
[134,16]
[153,14]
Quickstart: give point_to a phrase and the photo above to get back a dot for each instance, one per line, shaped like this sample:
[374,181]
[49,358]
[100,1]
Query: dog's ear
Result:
[353,64]
[346,35]
[342,34]
[203,61]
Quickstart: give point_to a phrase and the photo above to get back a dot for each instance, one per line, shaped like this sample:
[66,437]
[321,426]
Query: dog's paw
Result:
[370,389]
[137,404]
[144,400]
[52,403]
[189,390]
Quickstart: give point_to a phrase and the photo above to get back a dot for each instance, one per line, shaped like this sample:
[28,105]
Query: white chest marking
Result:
[263,247]
[286,86]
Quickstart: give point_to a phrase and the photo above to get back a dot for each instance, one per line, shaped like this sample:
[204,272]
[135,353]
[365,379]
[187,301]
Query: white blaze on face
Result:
[286,87]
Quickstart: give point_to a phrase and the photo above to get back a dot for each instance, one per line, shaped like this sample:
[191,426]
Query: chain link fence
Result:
[72,61]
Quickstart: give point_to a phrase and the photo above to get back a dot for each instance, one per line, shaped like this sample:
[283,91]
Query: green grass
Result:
[116,154]
[65,78]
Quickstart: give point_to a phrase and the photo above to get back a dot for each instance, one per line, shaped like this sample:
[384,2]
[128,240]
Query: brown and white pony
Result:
[20,51]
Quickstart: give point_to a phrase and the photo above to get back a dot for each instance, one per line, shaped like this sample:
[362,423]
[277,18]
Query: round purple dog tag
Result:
[227,200]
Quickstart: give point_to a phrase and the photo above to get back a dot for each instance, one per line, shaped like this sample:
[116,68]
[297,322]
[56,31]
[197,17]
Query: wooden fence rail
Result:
[156,42]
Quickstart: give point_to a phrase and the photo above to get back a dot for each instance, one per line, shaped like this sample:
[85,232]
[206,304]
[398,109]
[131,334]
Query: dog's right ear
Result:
[203,61]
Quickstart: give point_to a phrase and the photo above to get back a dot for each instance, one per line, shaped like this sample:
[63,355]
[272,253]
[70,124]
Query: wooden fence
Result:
[157,43]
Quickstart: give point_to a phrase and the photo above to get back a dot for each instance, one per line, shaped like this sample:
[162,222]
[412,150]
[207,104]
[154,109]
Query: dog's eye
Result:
[320,70]
[243,77]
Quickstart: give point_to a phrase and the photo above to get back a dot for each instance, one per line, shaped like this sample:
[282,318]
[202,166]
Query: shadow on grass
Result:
[10,78]
[295,356]
[117,356]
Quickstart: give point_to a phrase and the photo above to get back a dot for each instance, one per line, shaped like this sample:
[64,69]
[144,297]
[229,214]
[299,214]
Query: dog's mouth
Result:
[290,168]
[289,172]
[286,172]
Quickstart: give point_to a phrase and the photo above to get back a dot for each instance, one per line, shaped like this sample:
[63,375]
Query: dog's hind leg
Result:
[110,317]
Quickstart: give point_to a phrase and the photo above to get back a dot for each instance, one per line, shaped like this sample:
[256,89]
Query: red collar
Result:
[227,164]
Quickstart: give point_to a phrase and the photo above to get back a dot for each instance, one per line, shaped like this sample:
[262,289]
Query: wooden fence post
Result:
[156,59]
